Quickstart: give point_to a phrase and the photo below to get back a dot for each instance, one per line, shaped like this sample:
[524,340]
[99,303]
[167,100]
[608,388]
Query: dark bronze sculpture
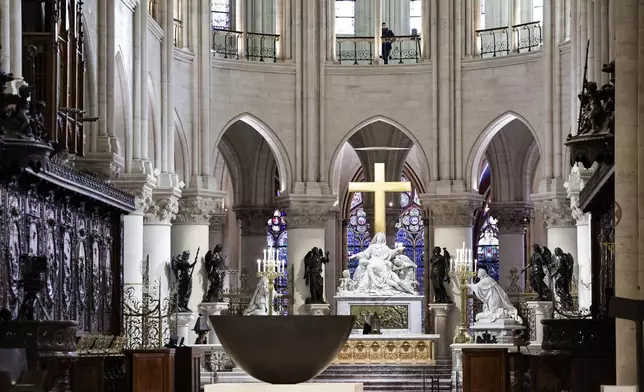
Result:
[541,257]
[313,275]
[183,273]
[598,105]
[562,277]
[32,283]
[439,275]
[215,273]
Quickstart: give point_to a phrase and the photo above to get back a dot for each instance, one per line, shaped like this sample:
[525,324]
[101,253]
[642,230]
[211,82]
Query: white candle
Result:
[264,254]
[283,265]
[259,264]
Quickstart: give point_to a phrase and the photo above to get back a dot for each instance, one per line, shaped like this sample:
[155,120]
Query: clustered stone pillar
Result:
[629,175]
[560,225]
[452,222]
[512,223]
[253,225]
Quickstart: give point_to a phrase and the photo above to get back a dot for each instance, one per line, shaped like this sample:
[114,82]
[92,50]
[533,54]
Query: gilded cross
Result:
[379,187]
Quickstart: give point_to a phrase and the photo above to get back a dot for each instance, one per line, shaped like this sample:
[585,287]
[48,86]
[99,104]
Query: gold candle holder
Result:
[270,268]
[461,272]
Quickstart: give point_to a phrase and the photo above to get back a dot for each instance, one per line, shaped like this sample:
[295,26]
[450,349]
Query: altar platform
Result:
[399,349]
[401,314]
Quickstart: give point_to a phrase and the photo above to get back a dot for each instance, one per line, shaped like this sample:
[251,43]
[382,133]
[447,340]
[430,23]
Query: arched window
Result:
[277,238]
[358,237]
[411,231]
[487,248]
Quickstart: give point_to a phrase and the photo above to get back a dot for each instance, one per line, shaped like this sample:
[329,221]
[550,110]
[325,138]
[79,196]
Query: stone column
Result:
[16,40]
[185,324]
[542,311]
[5,35]
[190,233]
[216,230]
[629,174]
[441,314]
[512,219]
[306,220]
[576,181]
[157,223]
[253,224]
[560,225]
[452,221]
[392,219]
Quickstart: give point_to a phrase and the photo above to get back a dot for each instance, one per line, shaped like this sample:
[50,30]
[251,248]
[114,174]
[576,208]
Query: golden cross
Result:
[379,187]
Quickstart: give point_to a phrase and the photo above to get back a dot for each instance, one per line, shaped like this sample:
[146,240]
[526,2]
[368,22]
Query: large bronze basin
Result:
[282,349]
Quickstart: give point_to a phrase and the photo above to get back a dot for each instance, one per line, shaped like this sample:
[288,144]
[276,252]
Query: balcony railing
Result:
[501,41]
[404,48]
[225,43]
[178,33]
[356,50]
[259,46]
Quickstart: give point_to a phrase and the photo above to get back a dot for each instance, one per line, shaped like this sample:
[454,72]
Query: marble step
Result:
[391,378]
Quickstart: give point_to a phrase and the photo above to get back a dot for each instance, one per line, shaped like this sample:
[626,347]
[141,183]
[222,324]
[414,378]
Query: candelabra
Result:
[270,268]
[462,271]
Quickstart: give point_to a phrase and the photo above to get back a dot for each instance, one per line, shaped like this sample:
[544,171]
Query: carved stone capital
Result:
[317,309]
[196,210]
[217,221]
[141,186]
[556,213]
[253,219]
[307,212]
[511,217]
[452,212]
[164,207]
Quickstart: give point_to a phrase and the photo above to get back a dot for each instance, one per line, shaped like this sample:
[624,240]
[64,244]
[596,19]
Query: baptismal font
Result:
[462,271]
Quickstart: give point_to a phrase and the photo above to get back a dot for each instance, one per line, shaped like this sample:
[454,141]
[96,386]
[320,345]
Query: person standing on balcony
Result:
[387,39]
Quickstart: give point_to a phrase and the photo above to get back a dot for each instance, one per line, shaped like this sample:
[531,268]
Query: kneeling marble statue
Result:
[258,305]
[496,303]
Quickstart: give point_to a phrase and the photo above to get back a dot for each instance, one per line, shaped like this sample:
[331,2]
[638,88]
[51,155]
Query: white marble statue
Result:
[496,303]
[346,283]
[381,271]
[258,305]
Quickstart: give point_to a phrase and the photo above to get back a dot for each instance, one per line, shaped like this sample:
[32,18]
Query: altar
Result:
[399,349]
[398,314]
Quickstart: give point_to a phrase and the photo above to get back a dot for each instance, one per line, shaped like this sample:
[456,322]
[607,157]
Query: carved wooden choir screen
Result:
[81,238]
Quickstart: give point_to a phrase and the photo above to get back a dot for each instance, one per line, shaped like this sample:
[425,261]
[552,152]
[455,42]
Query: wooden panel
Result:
[151,370]
[187,365]
[88,374]
[486,370]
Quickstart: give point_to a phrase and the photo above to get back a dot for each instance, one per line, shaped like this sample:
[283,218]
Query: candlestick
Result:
[272,268]
[462,274]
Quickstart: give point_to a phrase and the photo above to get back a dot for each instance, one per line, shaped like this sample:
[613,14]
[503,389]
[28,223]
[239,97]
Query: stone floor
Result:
[391,378]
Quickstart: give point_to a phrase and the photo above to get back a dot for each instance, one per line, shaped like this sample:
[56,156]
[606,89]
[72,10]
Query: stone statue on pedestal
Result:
[313,277]
[375,275]
[439,275]
[562,277]
[496,303]
[183,273]
[215,273]
[540,258]
[258,305]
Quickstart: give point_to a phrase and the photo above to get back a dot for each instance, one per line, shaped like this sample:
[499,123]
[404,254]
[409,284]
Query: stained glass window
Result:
[277,238]
[411,231]
[220,14]
[488,232]
[358,237]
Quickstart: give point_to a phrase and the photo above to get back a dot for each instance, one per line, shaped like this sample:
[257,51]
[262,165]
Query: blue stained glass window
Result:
[277,238]
[488,245]
[411,231]
[358,237]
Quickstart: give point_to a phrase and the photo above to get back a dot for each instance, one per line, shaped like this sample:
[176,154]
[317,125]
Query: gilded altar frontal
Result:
[391,316]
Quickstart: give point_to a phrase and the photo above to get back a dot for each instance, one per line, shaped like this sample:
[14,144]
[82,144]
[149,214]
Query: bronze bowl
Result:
[283,349]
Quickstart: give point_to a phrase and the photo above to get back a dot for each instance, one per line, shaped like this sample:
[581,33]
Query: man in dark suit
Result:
[387,39]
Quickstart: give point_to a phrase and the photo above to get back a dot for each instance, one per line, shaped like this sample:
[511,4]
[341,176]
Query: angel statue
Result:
[541,258]
[258,305]
[215,273]
[439,275]
[562,277]
[313,276]
[183,273]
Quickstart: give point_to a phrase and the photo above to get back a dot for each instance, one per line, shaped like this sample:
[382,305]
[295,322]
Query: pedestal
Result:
[629,388]
[308,387]
[185,322]
[317,309]
[502,330]
[212,309]
[398,314]
[542,310]
[441,315]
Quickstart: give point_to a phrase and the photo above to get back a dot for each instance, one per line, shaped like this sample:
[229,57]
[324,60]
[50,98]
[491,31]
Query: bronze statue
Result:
[32,283]
[597,105]
[183,273]
[541,257]
[562,277]
[439,275]
[215,273]
[313,275]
